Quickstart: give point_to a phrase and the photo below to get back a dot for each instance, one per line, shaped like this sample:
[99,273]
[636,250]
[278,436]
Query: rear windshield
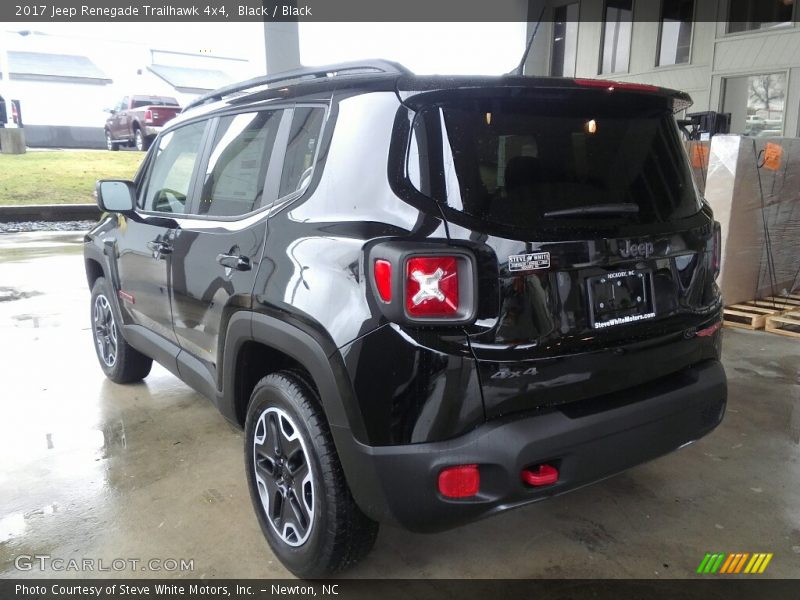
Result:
[530,162]
[139,101]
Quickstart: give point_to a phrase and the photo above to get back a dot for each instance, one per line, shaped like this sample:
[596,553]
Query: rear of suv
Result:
[425,299]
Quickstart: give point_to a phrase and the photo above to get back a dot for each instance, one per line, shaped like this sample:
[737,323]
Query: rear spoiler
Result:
[680,100]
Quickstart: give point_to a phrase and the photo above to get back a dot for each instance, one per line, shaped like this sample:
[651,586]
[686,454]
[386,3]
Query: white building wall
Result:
[59,103]
[715,54]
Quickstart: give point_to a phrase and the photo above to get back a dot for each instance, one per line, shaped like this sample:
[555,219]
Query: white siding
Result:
[714,55]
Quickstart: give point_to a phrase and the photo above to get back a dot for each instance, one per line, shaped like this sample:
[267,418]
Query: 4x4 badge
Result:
[529,262]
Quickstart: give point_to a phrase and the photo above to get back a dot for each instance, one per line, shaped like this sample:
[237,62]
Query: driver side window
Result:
[171,169]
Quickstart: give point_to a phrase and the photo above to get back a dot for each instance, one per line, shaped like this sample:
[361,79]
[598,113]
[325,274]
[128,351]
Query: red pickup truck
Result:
[137,119]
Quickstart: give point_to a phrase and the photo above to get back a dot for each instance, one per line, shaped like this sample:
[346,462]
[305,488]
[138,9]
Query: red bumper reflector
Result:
[462,481]
[540,475]
[710,330]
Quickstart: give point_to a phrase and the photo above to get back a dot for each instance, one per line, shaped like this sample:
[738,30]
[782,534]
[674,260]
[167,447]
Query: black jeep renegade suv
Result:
[425,299]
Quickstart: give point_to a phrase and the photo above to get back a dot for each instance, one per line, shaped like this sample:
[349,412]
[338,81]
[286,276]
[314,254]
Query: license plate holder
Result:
[620,297]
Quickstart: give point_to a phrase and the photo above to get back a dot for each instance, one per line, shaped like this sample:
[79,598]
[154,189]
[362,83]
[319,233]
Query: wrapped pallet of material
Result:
[753,186]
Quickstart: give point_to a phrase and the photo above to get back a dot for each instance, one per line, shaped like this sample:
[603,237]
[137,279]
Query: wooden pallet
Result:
[753,314]
[791,300]
[786,324]
[748,316]
[774,305]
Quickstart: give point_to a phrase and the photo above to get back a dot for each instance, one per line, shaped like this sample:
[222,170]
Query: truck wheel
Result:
[141,142]
[111,145]
[120,362]
[297,486]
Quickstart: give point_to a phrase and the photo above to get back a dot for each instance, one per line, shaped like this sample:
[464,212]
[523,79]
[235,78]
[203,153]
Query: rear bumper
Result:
[151,130]
[587,441]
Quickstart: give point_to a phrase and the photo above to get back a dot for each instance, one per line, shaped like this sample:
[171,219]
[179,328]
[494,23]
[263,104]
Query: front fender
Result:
[102,252]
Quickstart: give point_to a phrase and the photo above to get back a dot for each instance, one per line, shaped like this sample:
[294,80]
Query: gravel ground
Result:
[24,226]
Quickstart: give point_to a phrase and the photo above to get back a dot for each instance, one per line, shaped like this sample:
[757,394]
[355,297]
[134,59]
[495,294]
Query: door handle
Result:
[234,261]
[159,248]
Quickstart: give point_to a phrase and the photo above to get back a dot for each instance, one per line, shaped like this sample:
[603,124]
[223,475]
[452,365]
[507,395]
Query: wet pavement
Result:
[94,471]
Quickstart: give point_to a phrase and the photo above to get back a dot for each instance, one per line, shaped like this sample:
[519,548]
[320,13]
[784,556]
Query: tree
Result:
[767,92]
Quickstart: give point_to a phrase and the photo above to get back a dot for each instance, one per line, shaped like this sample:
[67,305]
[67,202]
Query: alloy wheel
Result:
[283,476]
[105,330]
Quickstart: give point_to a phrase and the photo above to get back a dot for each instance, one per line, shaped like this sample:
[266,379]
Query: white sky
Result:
[458,48]
[425,48]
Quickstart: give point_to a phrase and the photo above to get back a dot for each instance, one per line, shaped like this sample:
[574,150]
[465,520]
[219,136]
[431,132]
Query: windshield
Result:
[524,162]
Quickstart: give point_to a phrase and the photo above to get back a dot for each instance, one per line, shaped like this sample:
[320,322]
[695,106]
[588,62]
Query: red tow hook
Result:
[540,475]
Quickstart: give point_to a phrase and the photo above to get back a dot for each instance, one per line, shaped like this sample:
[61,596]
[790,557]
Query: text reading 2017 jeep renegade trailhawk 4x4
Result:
[425,299]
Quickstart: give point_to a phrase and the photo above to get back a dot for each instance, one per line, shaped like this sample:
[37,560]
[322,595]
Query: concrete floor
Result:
[90,469]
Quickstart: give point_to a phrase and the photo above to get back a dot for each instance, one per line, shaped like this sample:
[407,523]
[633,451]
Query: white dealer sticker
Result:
[529,262]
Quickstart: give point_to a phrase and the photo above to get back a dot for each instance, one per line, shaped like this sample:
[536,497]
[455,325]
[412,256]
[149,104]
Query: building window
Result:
[756,104]
[749,15]
[565,40]
[617,25]
[676,32]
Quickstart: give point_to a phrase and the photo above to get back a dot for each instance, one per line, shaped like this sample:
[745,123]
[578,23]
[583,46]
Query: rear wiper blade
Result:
[594,209]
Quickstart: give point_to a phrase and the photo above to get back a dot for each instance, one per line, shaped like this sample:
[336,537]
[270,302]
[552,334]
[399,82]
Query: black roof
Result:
[372,68]
[392,75]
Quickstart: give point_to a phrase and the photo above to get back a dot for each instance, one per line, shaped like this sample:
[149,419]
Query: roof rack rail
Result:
[377,66]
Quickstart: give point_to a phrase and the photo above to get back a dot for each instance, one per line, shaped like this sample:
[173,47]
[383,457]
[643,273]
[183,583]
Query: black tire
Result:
[125,364]
[141,142]
[338,534]
[111,145]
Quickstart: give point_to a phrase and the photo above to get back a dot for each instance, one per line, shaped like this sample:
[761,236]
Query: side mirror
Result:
[111,111]
[115,195]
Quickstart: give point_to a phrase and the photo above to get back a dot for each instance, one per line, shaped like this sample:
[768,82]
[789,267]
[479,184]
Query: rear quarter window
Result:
[301,149]
[139,101]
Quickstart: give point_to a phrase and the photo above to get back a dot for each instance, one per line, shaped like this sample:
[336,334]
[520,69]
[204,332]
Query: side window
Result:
[123,104]
[171,168]
[237,168]
[301,149]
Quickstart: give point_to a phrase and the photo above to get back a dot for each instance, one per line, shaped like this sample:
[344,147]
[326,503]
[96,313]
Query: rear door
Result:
[600,240]
[218,249]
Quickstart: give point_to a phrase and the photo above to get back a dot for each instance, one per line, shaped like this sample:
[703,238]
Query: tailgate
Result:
[160,115]
[603,251]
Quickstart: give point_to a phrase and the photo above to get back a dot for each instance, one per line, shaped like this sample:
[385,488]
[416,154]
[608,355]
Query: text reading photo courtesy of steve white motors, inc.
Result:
[190,590]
